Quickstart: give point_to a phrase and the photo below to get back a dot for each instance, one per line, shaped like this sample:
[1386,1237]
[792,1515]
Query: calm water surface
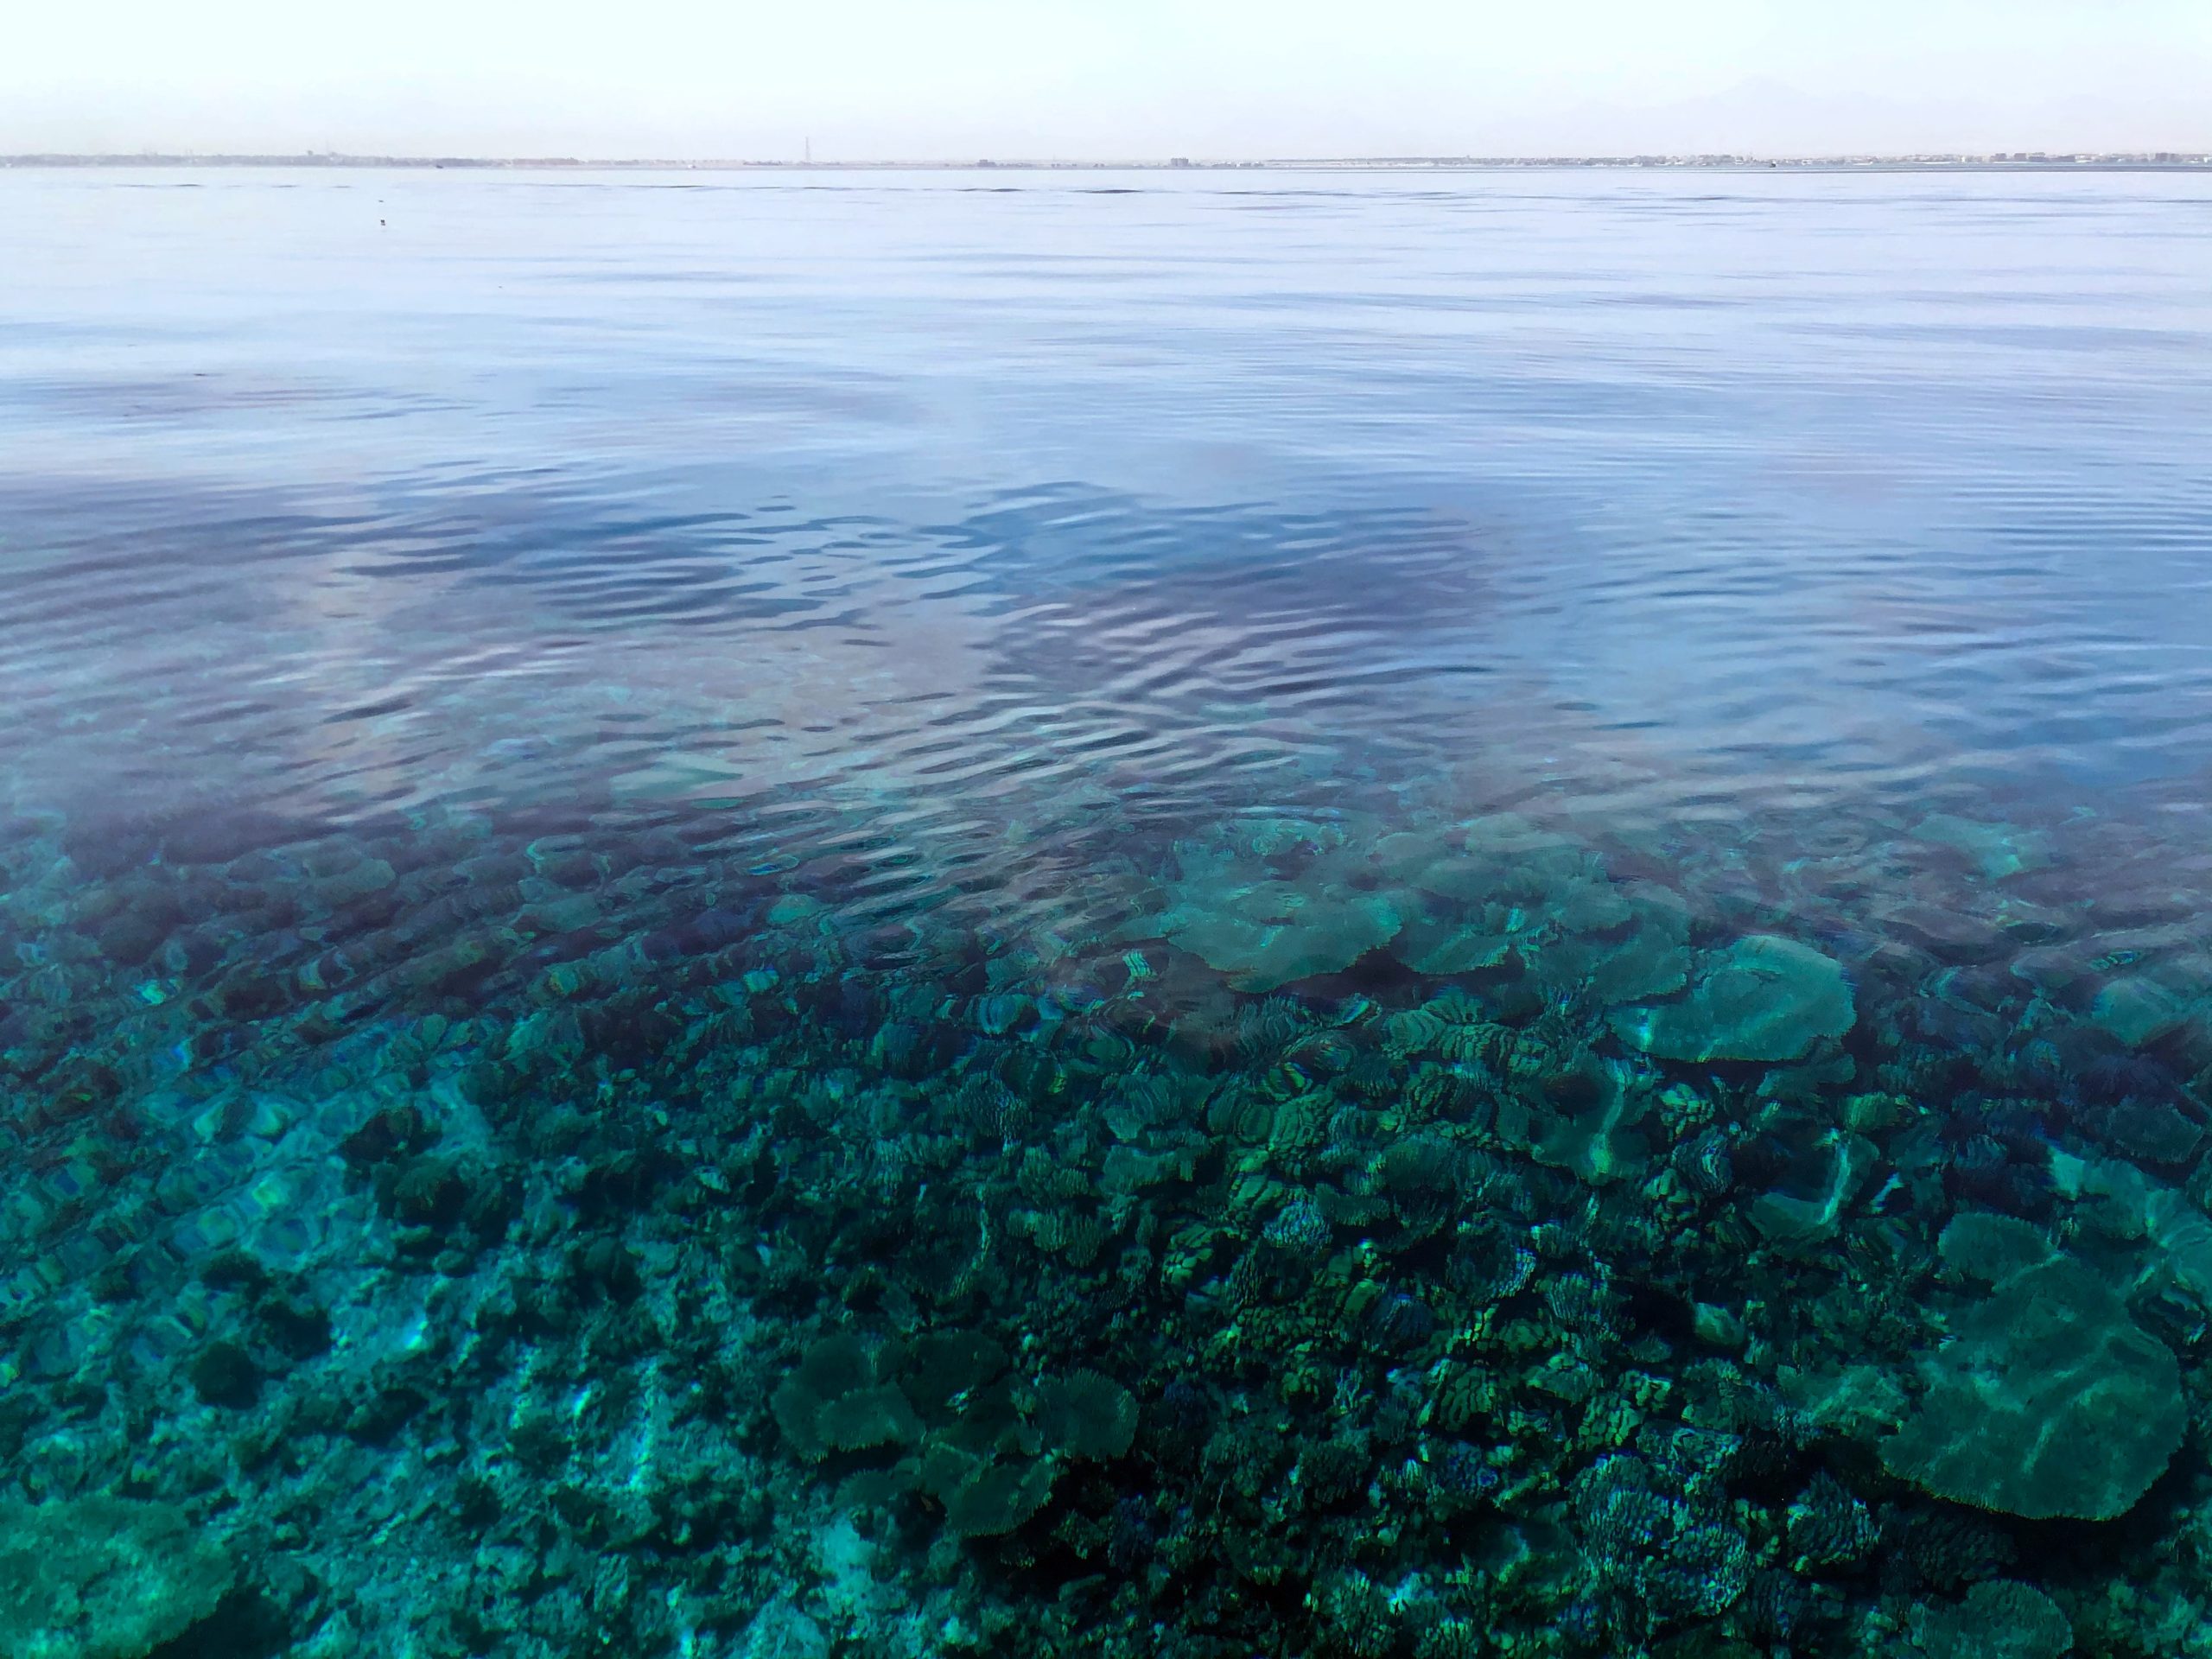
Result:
[605,774]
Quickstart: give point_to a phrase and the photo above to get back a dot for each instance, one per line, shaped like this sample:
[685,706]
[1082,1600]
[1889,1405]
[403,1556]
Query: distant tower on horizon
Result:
[809,152]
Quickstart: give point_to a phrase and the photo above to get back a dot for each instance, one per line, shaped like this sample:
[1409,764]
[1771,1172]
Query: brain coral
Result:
[2049,1401]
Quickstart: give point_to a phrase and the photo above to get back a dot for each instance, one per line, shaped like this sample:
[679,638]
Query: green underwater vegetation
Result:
[1451,1238]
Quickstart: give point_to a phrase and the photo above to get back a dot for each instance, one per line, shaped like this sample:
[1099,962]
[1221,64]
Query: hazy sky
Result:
[963,79]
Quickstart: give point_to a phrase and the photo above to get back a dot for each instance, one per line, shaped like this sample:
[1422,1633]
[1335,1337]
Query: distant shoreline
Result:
[2038,160]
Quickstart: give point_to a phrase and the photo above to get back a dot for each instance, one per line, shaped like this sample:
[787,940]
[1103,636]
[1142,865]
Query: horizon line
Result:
[2185,156]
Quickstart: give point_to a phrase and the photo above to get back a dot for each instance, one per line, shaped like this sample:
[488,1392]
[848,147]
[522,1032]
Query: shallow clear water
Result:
[617,786]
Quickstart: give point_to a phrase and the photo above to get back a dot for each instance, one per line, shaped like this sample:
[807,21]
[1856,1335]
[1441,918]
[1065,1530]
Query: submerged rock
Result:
[1997,850]
[103,1578]
[2140,1009]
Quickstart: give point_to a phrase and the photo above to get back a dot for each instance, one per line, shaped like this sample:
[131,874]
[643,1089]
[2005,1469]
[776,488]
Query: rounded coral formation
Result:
[1766,998]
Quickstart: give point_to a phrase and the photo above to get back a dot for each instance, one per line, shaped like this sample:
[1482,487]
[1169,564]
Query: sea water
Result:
[1381,914]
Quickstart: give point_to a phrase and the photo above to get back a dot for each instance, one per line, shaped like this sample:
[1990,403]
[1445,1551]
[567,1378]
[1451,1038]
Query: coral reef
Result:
[1998,1618]
[104,1577]
[1763,998]
[2048,1400]
[1393,1237]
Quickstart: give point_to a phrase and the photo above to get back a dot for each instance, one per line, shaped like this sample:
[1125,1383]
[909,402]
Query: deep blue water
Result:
[763,657]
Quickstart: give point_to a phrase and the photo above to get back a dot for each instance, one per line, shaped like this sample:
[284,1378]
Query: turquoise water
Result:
[1263,913]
